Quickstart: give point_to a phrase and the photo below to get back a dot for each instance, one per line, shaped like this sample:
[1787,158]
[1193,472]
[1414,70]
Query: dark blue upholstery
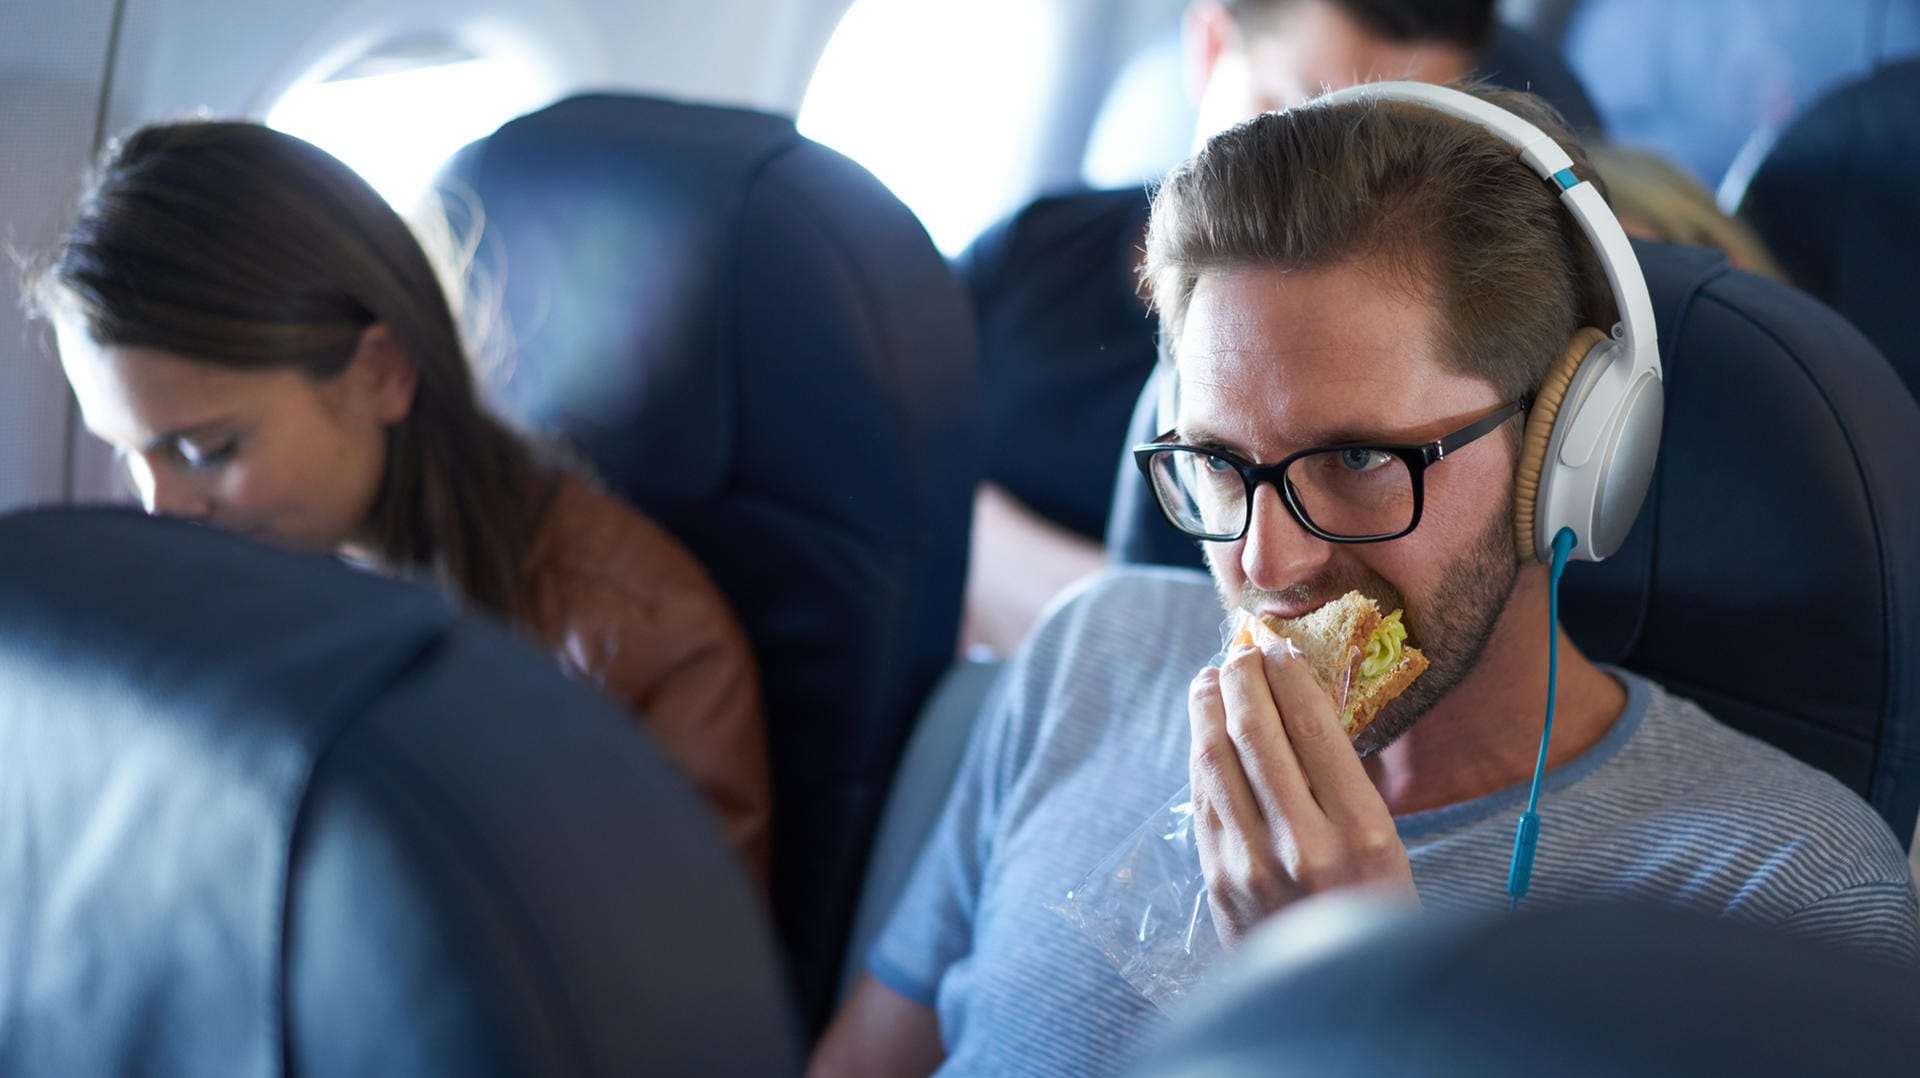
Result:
[1696,79]
[1785,509]
[751,339]
[264,813]
[1577,992]
[1838,200]
[1518,60]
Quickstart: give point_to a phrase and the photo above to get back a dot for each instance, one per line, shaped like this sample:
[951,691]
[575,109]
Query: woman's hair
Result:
[1652,197]
[236,245]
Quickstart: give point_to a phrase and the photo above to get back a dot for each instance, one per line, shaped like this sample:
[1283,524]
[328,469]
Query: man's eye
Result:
[1363,460]
[1217,465]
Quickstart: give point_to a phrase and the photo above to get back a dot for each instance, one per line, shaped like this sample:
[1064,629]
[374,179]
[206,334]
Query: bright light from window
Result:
[397,129]
[937,98]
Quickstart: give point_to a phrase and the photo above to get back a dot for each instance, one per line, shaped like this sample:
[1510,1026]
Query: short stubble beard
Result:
[1451,627]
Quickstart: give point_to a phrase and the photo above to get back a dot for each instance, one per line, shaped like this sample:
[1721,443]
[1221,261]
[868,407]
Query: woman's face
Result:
[268,453]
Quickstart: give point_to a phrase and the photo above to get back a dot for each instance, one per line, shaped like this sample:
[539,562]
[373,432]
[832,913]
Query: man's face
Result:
[1272,362]
[1308,46]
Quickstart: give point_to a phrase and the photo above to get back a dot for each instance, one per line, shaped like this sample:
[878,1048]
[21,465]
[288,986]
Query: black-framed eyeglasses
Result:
[1362,493]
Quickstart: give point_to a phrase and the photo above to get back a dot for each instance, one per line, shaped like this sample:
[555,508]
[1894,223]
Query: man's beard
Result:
[1451,628]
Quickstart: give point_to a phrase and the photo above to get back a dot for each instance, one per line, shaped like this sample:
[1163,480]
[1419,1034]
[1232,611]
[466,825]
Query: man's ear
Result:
[384,375]
[1207,31]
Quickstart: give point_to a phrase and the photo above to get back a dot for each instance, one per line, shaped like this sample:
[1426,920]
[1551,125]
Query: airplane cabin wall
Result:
[237,58]
[53,62]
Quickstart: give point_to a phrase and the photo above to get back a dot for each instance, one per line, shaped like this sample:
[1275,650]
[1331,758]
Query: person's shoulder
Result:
[1046,224]
[1100,684]
[1071,210]
[1679,728]
[592,551]
[1766,792]
[1129,615]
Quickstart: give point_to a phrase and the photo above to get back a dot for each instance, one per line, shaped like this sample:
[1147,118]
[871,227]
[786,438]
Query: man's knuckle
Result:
[1240,727]
[1375,845]
[1313,871]
[1311,729]
[1211,750]
[1203,688]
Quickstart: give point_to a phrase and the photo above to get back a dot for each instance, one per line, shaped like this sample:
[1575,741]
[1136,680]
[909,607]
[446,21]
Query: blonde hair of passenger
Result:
[1654,199]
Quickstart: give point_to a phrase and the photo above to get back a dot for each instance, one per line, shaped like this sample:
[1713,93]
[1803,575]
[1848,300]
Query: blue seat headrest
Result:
[1784,519]
[1576,991]
[1696,80]
[1838,201]
[747,336]
[282,814]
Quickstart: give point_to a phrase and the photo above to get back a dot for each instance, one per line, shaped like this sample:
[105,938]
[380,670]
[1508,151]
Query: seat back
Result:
[1696,80]
[1577,991]
[1784,517]
[284,816]
[920,790]
[749,338]
[1838,200]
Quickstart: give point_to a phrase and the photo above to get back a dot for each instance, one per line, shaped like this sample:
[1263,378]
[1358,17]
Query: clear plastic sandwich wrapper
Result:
[1145,904]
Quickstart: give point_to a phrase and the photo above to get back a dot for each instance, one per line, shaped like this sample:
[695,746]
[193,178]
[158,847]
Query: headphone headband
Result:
[1595,446]
[1546,157]
[1590,445]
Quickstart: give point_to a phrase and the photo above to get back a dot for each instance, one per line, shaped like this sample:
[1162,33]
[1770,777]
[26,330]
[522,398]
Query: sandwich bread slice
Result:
[1358,656]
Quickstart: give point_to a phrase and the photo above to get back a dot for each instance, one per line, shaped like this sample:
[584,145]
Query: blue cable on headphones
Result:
[1520,872]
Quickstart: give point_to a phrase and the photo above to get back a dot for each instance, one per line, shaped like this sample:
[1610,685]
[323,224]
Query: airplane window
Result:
[1145,126]
[396,119]
[941,101]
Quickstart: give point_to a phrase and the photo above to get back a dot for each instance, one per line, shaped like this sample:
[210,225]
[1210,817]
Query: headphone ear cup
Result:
[1527,478]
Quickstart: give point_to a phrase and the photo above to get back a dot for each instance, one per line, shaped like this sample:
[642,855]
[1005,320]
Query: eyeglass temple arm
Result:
[1478,428]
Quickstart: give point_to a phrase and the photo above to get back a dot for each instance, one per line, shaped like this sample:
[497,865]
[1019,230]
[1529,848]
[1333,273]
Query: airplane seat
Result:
[1699,81]
[1838,201]
[1341,987]
[918,795]
[746,335]
[1774,573]
[265,813]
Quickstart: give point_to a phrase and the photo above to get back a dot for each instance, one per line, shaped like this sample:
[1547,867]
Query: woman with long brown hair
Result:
[267,345]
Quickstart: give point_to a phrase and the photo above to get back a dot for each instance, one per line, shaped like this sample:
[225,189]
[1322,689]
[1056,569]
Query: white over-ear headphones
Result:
[1594,427]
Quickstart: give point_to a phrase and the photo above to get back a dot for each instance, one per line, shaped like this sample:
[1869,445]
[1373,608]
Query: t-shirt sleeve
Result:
[1880,918]
[931,926]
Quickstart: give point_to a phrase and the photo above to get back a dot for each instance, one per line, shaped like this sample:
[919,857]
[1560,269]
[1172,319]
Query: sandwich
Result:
[1358,656]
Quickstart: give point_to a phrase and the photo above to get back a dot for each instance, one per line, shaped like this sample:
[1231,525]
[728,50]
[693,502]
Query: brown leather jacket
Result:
[627,608]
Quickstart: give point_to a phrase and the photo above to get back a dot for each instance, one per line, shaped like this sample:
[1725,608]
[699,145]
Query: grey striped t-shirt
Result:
[1086,737]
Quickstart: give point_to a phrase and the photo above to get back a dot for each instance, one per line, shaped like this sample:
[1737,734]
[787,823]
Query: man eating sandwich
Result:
[1339,287]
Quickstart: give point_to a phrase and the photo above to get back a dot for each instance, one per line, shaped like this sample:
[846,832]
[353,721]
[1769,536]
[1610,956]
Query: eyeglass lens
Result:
[1350,493]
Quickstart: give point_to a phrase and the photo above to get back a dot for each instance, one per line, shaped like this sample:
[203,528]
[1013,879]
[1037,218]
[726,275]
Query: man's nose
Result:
[1278,551]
